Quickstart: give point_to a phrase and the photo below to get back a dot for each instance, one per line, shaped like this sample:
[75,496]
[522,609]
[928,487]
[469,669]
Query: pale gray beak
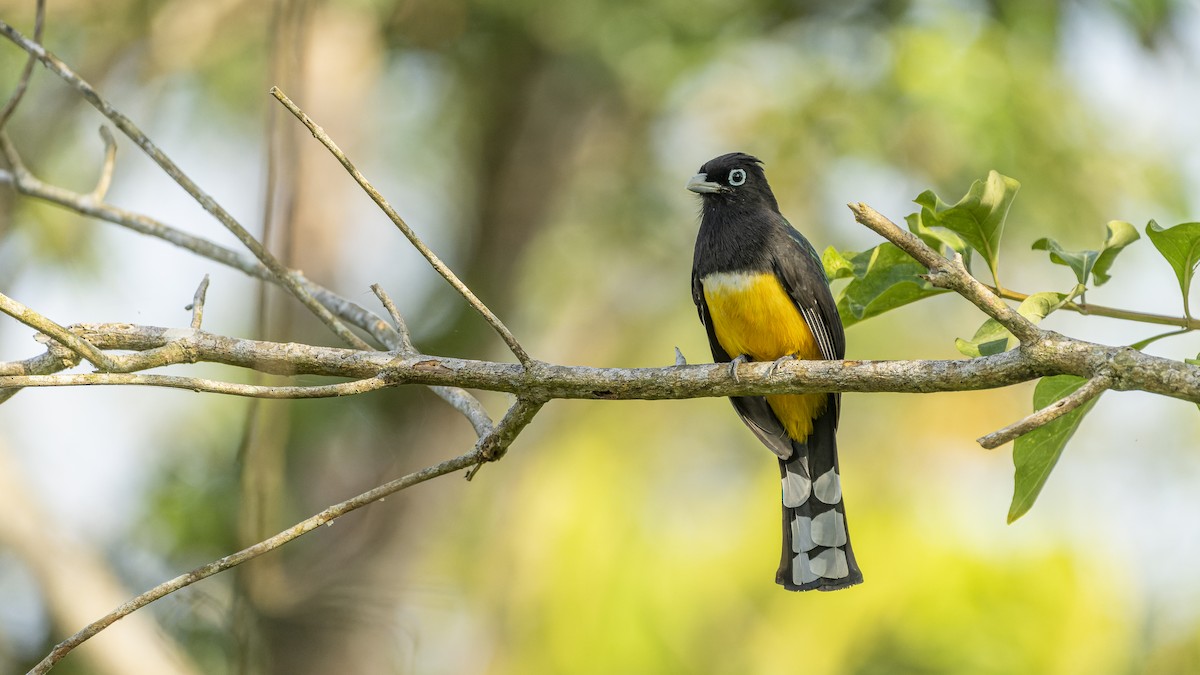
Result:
[701,185]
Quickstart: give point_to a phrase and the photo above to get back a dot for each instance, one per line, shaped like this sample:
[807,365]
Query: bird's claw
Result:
[737,361]
[776,362]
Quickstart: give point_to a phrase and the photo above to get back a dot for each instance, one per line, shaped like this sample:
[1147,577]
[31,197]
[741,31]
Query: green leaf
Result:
[1094,264]
[837,265]
[978,217]
[1036,453]
[940,239]
[1080,262]
[1040,305]
[882,278]
[1142,344]
[1120,235]
[993,338]
[1180,245]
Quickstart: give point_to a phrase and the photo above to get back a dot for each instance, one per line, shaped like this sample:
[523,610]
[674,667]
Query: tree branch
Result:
[169,167]
[1053,355]
[29,185]
[47,327]
[1091,389]
[325,517]
[404,343]
[441,268]
[495,444]
[458,398]
[197,305]
[106,170]
[56,358]
[946,273]
[27,71]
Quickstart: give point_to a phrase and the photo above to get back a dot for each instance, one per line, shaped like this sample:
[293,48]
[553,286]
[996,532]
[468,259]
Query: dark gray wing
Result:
[803,277]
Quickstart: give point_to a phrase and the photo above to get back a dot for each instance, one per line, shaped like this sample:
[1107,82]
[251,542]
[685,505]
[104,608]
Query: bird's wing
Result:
[753,410]
[803,277]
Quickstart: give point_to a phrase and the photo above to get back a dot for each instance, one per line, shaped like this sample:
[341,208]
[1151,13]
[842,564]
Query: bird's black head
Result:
[733,178]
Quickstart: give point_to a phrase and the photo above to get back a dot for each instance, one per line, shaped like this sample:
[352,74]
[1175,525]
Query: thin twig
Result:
[1090,389]
[197,305]
[493,446]
[464,402]
[197,384]
[55,358]
[406,345]
[26,72]
[1090,309]
[169,167]
[325,517]
[425,251]
[460,399]
[44,325]
[106,171]
[29,185]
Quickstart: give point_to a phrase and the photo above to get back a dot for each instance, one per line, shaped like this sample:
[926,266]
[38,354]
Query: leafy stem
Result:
[1088,308]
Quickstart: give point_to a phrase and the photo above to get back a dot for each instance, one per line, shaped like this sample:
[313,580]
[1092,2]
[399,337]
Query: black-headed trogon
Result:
[761,292]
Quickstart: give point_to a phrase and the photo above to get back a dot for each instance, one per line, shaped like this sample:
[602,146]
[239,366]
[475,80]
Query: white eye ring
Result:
[737,177]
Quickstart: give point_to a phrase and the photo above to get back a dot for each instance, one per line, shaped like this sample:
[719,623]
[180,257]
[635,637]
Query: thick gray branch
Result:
[1052,355]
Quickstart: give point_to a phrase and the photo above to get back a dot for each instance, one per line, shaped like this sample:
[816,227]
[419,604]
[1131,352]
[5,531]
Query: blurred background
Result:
[541,149]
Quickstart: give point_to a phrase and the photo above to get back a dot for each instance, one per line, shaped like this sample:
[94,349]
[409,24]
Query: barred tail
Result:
[816,541]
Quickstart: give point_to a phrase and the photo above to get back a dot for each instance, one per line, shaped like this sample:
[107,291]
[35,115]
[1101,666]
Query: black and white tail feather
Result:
[816,542]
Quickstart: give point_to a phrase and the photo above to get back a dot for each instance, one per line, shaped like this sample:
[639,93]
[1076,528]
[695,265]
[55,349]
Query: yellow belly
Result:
[752,314]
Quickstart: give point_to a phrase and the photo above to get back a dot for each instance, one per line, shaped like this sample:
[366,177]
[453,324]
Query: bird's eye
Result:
[737,177]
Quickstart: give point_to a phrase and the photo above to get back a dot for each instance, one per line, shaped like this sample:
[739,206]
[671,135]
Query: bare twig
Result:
[65,337]
[383,204]
[325,517]
[55,358]
[106,170]
[405,345]
[28,184]
[461,400]
[493,446]
[169,167]
[458,398]
[197,384]
[1090,389]
[26,72]
[197,305]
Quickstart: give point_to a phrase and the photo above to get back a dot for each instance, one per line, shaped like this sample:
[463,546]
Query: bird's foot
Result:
[737,361]
[776,362]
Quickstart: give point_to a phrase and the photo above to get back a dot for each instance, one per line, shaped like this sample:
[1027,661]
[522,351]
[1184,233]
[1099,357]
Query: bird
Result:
[761,293]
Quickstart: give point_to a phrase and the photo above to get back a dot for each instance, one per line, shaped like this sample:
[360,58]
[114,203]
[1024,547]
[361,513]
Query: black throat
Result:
[735,236]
